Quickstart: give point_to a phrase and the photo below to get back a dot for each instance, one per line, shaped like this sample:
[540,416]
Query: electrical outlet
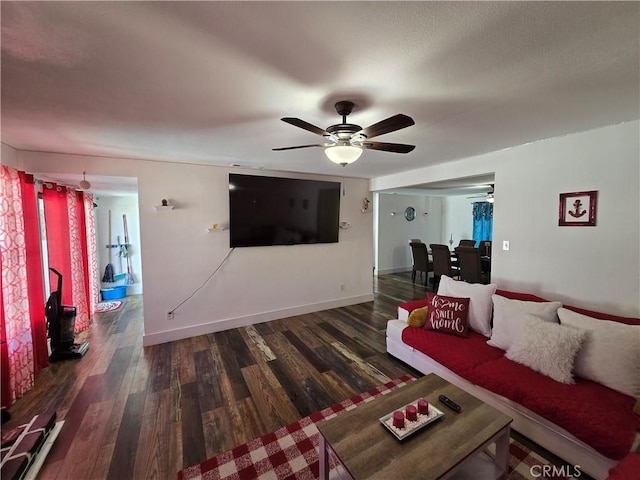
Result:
[342,287]
[505,245]
[170,315]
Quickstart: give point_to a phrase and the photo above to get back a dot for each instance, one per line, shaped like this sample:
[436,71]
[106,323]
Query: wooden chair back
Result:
[441,260]
[467,243]
[471,265]
[421,261]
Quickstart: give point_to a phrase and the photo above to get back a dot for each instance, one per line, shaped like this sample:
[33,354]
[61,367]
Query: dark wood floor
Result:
[134,412]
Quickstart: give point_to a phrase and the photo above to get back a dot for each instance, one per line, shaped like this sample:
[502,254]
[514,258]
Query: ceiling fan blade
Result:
[296,122]
[388,147]
[299,146]
[391,124]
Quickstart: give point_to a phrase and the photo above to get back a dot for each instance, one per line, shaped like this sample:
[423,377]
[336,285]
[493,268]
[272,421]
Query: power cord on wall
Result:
[172,311]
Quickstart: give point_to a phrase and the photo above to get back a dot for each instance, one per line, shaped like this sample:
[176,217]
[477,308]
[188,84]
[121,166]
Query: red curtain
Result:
[5,373]
[78,255]
[66,244]
[56,217]
[35,282]
[69,221]
[90,253]
[82,228]
[19,363]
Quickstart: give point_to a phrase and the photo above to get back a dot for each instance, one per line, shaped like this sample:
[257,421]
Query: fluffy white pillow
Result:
[479,303]
[610,354]
[548,348]
[509,314]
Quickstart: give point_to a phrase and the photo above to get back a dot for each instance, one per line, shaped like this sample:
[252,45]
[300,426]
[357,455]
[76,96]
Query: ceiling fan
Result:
[344,142]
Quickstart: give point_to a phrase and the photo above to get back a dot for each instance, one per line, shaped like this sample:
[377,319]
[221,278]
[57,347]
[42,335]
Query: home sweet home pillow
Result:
[480,303]
[447,314]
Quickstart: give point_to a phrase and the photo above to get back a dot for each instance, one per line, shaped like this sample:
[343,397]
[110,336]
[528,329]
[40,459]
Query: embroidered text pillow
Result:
[447,314]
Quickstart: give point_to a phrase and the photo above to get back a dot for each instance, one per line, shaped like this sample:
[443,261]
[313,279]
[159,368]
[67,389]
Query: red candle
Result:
[412,413]
[423,407]
[398,420]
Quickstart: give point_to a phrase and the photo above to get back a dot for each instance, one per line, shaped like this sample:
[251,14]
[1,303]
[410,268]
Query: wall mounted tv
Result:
[282,211]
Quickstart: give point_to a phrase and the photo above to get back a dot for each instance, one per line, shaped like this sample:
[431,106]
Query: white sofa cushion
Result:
[610,354]
[509,314]
[548,348]
[479,301]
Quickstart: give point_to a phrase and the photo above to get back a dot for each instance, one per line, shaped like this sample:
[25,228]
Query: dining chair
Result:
[442,264]
[421,261]
[471,266]
[467,243]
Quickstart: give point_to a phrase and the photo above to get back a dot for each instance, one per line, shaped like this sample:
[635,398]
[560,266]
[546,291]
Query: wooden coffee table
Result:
[367,449]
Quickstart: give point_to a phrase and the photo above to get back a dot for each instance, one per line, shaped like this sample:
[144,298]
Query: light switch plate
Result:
[505,244]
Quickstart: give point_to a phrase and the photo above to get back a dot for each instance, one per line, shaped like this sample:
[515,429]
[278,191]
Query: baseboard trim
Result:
[226,324]
[385,271]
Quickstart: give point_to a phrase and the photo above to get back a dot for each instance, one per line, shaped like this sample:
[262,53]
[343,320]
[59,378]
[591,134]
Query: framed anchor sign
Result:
[578,209]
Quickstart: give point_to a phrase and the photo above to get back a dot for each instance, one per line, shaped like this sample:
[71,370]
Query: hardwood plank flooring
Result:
[134,412]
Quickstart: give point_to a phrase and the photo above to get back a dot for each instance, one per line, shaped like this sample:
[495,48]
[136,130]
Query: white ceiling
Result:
[207,82]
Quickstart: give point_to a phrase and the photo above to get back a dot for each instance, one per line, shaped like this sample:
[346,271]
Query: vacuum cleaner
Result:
[61,320]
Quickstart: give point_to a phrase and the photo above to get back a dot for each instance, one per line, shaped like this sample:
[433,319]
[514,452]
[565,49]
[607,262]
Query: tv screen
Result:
[282,211]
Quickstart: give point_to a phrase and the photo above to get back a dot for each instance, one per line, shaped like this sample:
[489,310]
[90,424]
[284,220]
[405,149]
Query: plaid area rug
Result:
[291,452]
[103,307]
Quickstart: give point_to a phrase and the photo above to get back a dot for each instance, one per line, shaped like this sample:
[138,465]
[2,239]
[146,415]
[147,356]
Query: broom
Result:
[108,270]
[128,278]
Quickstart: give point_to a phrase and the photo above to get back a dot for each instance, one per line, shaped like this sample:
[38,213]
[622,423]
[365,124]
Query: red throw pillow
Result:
[448,314]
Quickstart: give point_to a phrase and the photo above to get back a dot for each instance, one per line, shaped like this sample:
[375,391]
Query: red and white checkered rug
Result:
[291,452]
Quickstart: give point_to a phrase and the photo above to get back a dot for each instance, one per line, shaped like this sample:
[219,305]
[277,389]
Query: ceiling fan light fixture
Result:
[84,184]
[343,154]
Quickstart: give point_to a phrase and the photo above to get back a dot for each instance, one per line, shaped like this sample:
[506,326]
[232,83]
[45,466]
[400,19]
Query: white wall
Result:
[9,155]
[255,284]
[394,231]
[594,267]
[457,219]
[127,205]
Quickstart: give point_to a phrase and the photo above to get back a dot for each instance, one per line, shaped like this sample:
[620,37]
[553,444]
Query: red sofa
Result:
[585,423]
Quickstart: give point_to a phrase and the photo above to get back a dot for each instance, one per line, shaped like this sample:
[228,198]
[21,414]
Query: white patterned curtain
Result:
[92,257]
[16,320]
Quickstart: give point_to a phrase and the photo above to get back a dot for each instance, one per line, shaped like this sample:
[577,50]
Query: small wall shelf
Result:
[164,207]
[216,229]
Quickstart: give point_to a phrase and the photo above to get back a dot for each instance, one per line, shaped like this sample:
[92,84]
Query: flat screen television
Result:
[282,211]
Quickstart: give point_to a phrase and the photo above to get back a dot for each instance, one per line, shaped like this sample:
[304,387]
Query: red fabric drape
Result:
[91,256]
[57,224]
[16,315]
[35,281]
[68,223]
[78,258]
[82,229]
[5,384]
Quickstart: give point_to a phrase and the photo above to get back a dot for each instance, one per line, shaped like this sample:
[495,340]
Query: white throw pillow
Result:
[509,314]
[610,354]
[479,304]
[548,348]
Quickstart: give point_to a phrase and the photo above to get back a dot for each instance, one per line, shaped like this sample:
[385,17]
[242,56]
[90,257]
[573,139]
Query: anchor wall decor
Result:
[578,209]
